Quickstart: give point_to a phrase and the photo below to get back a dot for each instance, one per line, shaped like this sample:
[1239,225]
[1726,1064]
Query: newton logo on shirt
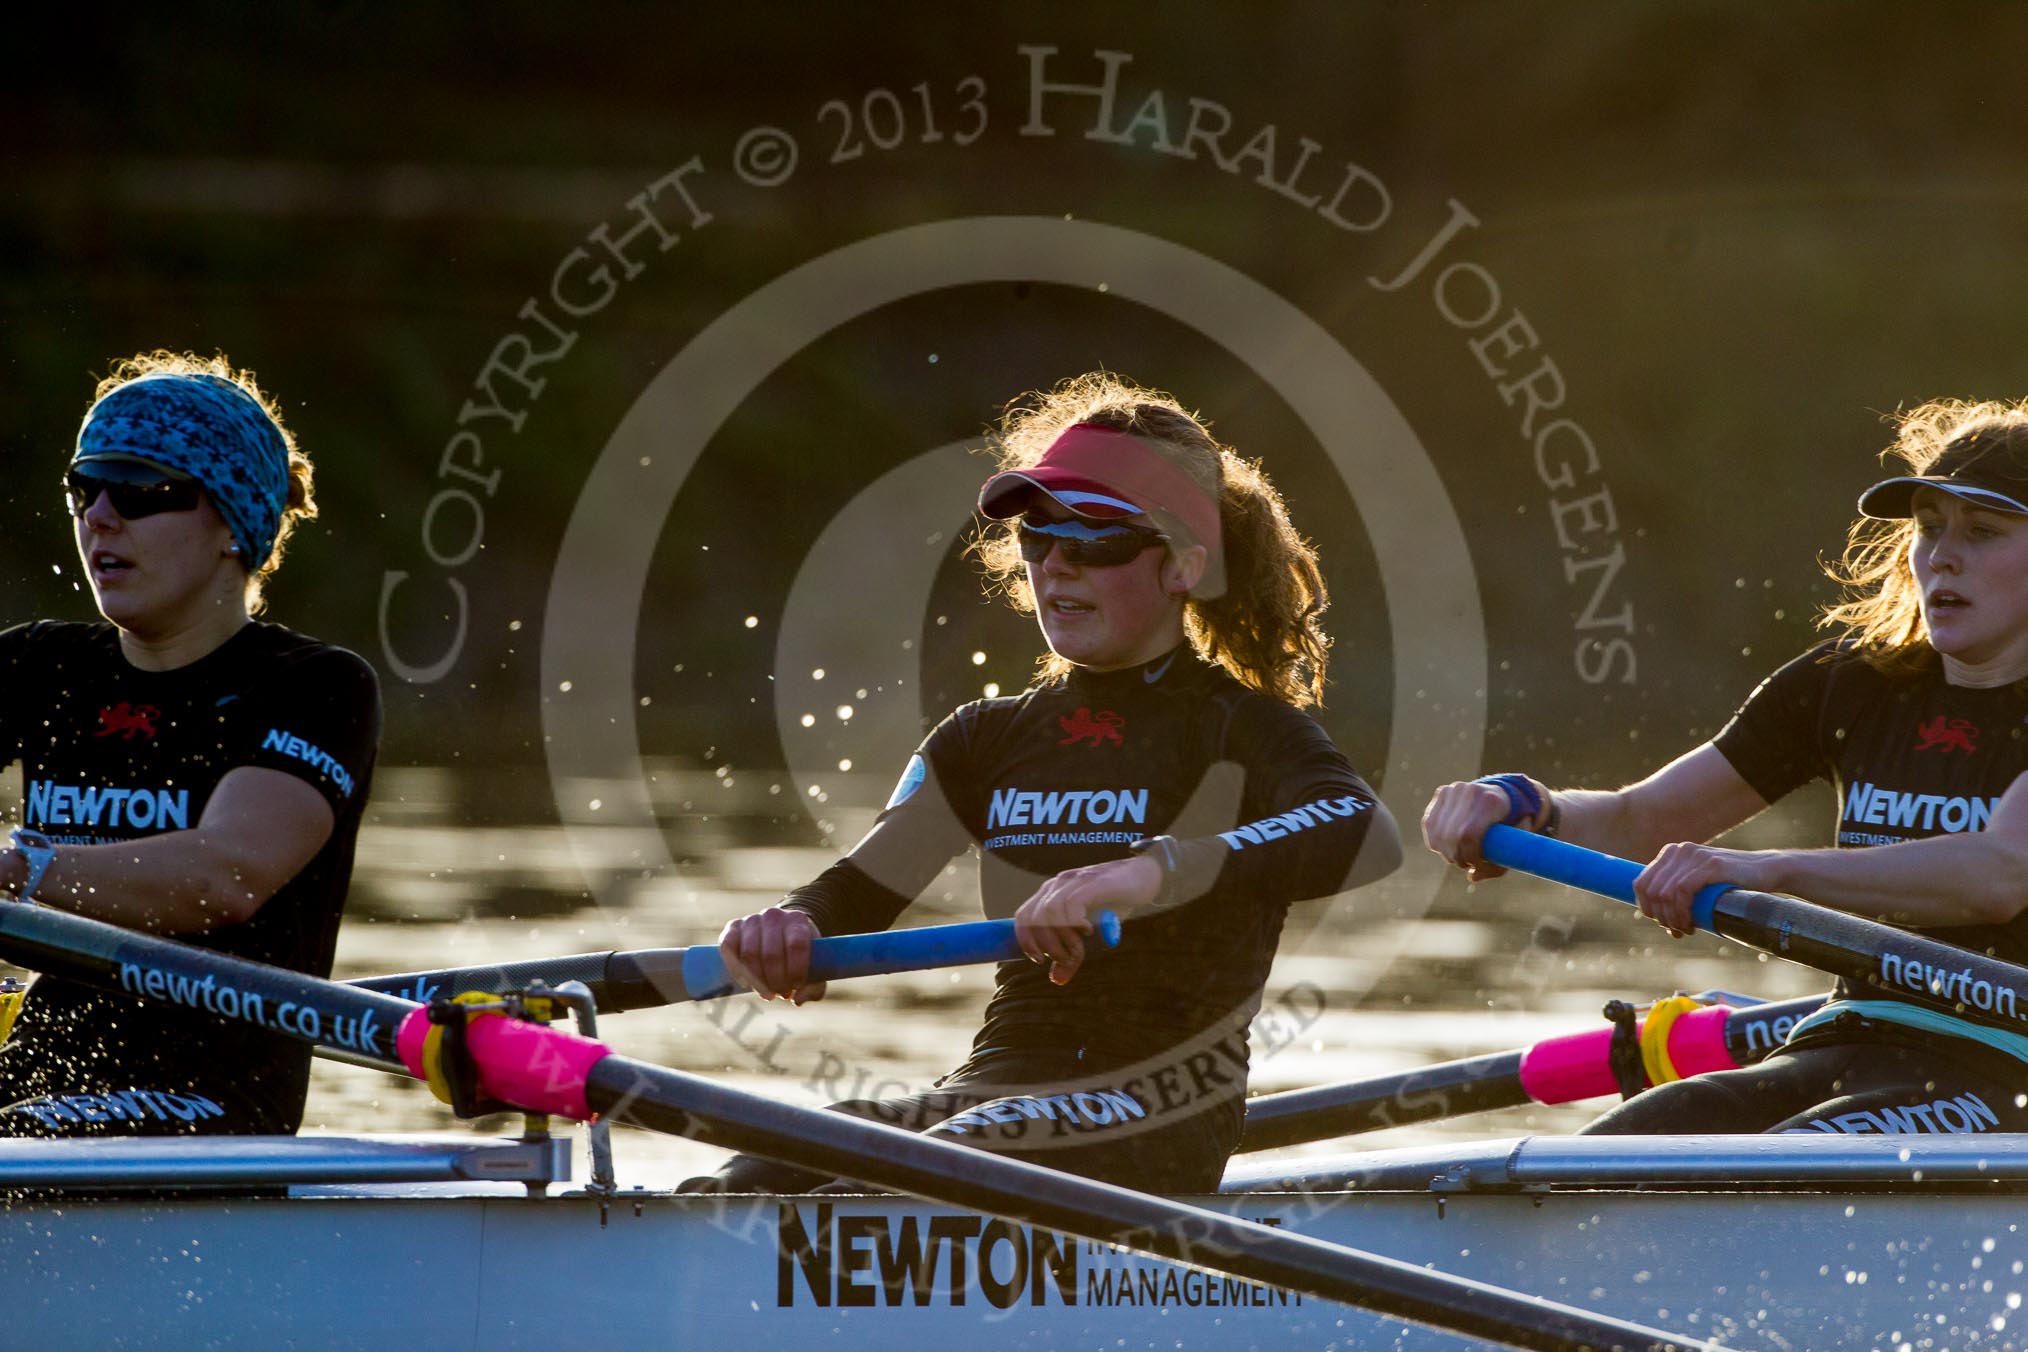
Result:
[100,805]
[1022,807]
[1921,811]
[291,745]
[1288,823]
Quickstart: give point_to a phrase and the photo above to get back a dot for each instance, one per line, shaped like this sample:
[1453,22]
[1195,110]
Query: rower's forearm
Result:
[1609,823]
[179,882]
[1969,879]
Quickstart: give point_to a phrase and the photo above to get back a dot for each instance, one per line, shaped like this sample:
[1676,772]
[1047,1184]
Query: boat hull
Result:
[472,1267]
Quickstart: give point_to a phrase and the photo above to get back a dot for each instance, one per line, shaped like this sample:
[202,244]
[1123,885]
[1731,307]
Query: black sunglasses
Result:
[1086,546]
[133,498]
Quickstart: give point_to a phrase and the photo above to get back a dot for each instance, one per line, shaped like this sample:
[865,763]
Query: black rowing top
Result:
[1910,756]
[110,752]
[1071,773]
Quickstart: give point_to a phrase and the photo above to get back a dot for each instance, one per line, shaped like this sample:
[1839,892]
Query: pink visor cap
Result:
[1102,473]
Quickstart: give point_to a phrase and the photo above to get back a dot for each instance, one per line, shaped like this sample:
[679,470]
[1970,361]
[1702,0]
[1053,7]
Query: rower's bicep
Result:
[268,824]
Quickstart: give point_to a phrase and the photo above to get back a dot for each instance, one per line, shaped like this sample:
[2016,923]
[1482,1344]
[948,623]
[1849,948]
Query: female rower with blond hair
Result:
[189,771]
[1159,767]
[1917,713]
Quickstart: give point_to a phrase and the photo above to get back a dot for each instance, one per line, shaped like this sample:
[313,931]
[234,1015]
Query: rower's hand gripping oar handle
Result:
[651,977]
[910,950]
[1873,957]
[1575,866]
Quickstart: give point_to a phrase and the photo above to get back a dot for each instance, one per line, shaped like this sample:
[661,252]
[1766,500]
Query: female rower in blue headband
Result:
[1915,712]
[189,771]
[1161,766]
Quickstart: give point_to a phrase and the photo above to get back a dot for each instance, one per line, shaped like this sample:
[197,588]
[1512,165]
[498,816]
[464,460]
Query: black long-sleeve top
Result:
[1072,772]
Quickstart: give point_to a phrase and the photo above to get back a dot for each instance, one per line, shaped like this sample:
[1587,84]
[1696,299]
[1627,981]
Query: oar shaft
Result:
[1560,1069]
[1878,958]
[1452,1089]
[617,981]
[1752,1031]
[886,1157]
[1578,1066]
[362,1024]
[526,1065]
[650,977]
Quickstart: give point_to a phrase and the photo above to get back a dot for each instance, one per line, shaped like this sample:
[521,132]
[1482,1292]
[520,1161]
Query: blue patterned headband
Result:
[210,429]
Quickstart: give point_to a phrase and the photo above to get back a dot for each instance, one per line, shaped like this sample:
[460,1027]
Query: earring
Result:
[232,549]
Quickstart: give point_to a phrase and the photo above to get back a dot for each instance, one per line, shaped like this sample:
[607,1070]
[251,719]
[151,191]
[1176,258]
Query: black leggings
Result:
[1093,1130]
[1842,1085]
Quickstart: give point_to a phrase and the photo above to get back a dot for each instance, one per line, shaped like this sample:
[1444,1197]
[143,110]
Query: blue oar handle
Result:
[1878,959]
[1575,866]
[907,950]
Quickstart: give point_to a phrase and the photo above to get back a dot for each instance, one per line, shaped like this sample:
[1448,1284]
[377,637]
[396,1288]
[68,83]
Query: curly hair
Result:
[1264,626]
[301,504]
[1881,613]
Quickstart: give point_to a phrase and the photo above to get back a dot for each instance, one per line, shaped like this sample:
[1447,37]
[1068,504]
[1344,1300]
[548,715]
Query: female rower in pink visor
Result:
[1159,766]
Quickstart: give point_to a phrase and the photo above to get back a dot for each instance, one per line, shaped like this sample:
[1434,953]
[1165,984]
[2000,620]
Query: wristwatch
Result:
[1166,852]
[36,849]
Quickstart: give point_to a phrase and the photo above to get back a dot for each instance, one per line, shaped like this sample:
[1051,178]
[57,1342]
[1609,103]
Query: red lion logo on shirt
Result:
[1947,734]
[128,721]
[1095,728]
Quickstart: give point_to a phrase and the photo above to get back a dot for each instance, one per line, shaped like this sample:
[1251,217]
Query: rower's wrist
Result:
[1164,854]
[1188,867]
[35,854]
[1772,871]
[13,872]
[1530,803]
